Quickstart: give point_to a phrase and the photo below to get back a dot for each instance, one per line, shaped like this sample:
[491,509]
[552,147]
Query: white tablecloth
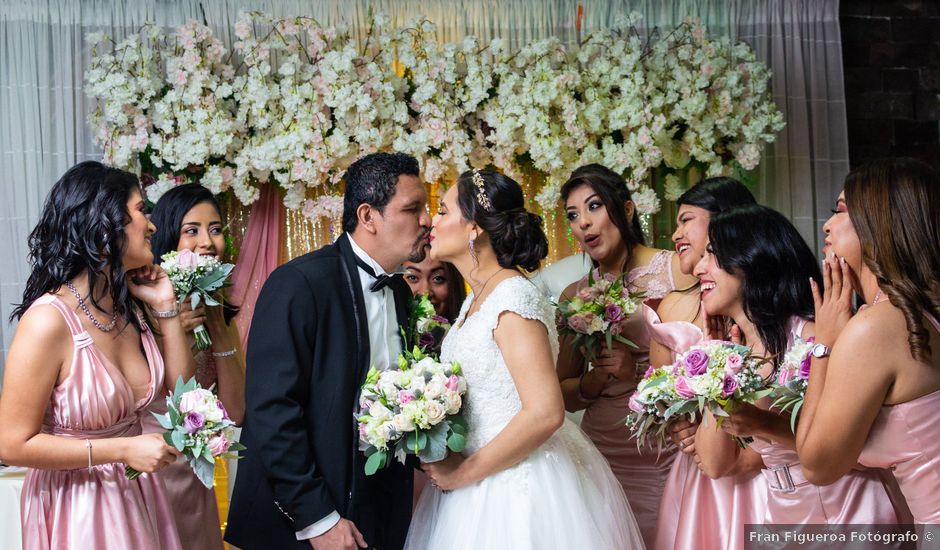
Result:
[11,484]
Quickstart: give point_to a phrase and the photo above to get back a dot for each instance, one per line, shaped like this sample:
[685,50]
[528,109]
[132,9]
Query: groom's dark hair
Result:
[372,180]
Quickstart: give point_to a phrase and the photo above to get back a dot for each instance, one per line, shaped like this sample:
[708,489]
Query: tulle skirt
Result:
[562,496]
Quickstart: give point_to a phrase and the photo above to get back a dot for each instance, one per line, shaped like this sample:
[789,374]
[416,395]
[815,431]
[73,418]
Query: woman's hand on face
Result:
[834,303]
[192,318]
[151,285]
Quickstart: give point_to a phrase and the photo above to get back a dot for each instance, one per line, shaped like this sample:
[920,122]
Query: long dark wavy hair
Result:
[717,195]
[82,230]
[612,190]
[894,205]
[168,216]
[761,246]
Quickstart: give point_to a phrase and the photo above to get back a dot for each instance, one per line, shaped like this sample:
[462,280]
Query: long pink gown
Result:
[100,508]
[860,497]
[194,507]
[641,472]
[697,511]
[905,438]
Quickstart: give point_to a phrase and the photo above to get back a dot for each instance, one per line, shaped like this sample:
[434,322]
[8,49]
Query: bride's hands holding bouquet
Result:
[447,474]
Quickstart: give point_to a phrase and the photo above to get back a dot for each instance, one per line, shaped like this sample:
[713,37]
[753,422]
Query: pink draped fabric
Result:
[257,258]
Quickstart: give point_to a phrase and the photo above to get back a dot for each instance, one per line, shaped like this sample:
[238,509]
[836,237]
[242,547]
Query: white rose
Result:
[453,402]
[435,387]
[402,423]
[417,384]
[436,413]
[379,411]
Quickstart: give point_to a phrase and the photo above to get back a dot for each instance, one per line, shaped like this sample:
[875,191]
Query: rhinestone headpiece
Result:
[481,191]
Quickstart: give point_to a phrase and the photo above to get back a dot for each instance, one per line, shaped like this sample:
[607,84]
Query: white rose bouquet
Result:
[197,277]
[198,425]
[414,409]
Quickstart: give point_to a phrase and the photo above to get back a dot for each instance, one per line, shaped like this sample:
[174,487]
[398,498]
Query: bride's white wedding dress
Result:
[562,496]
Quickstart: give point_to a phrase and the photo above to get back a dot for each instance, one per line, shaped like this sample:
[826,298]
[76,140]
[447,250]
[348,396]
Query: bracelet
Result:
[228,353]
[581,395]
[168,314]
[88,446]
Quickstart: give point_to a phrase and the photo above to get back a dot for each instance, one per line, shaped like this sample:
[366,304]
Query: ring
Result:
[682,444]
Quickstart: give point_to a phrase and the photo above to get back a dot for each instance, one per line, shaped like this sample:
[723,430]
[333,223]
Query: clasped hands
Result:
[447,474]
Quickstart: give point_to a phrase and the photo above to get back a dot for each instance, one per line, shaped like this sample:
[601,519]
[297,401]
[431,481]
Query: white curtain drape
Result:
[43,110]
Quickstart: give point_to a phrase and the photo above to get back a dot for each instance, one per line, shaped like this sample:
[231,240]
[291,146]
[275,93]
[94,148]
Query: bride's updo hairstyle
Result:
[496,204]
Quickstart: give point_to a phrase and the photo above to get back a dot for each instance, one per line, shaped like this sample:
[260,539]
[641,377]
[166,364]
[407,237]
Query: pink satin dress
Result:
[861,497]
[98,508]
[697,511]
[194,507]
[641,472]
[905,438]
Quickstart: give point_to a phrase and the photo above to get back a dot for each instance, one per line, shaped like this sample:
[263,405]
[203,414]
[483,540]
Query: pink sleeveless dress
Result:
[904,439]
[101,508]
[697,511]
[643,472]
[860,497]
[194,507]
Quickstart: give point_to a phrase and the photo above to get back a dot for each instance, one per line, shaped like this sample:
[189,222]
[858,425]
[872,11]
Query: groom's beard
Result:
[420,248]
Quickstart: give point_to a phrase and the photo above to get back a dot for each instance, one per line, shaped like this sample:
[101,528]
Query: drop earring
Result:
[473,252]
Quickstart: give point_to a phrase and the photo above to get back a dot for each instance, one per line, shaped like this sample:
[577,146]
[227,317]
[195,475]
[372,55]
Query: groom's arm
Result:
[280,358]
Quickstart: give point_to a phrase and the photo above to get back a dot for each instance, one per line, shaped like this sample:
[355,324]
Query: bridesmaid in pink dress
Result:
[84,365]
[883,242]
[603,219]
[188,218]
[697,511]
[756,273]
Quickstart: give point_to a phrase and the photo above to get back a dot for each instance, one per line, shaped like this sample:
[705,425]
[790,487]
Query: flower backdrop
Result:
[294,103]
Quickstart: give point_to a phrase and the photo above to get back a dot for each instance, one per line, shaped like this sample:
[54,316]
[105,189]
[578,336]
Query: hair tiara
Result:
[481,191]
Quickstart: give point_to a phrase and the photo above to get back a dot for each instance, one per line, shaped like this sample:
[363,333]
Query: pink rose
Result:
[218,445]
[187,258]
[579,323]
[733,363]
[683,389]
[405,397]
[728,386]
[453,383]
[635,404]
[613,313]
[696,362]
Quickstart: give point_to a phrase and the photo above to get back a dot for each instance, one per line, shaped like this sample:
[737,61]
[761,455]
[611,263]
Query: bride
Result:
[528,478]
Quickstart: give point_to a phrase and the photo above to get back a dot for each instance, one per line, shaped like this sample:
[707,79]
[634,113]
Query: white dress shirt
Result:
[384,347]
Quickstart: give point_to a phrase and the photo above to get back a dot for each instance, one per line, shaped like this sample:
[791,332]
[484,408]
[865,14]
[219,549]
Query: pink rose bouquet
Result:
[414,409]
[715,376]
[598,311]
[197,277]
[789,385]
[198,425]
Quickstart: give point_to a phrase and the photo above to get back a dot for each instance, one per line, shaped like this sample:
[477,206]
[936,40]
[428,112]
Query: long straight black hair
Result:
[760,245]
[168,216]
[81,230]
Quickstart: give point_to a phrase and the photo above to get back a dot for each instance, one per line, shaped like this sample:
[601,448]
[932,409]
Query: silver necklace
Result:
[81,303]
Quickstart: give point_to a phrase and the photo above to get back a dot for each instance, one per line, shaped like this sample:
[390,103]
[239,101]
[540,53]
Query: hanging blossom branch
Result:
[296,102]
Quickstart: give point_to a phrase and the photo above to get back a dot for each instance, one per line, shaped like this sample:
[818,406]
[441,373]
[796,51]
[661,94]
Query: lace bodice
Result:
[492,399]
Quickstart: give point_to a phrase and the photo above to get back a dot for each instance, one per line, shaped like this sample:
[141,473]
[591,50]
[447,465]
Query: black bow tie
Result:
[381,281]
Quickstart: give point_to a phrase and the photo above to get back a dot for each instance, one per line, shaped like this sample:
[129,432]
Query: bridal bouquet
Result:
[198,426]
[599,310]
[715,376]
[197,277]
[427,327]
[414,409]
[789,387]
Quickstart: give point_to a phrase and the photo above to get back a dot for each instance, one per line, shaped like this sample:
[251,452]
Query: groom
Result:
[320,321]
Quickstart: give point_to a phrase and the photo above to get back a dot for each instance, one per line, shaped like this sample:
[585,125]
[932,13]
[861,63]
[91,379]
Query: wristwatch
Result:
[820,350]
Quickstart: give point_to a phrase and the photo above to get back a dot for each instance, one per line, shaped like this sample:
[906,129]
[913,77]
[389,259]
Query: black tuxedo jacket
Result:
[308,354]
